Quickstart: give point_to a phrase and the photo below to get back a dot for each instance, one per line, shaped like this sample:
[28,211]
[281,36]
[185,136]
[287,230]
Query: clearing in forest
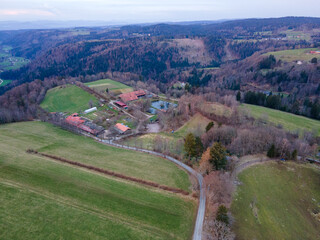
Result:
[302,54]
[113,86]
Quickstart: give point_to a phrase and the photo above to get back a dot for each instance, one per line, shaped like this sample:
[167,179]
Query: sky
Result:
[139,11]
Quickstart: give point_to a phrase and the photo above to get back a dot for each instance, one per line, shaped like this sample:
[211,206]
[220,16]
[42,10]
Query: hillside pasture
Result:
[196,125]
[302,54]
[171,141]
[288,121]
[113,86]
[4,82]
[48,139]
[69,98]
[277,201]
[44,199]
[216,108]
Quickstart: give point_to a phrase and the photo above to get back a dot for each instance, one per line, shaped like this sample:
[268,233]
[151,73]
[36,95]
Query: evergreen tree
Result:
[222,214]
[238,96]
[209,126]
[218,156]
[190,145]
[314,60]
[272,151]
[294,155]
[199,147]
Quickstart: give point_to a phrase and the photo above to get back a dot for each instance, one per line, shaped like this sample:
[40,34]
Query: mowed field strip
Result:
[69,98]
[277,201]
[288,121]
[113,86]
[44,199]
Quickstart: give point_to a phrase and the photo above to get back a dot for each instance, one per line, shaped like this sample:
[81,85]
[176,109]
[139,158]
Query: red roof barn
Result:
[131,96]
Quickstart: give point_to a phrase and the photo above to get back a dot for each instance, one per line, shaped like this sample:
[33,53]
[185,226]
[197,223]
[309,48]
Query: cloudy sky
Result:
[133,11]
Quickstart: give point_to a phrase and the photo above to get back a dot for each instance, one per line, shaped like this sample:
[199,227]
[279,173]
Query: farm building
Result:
[84,125]
[121,104]
[74,119]
[90,110]
[131,96]
[121,128]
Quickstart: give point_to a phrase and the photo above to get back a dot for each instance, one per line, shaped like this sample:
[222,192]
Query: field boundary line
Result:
[111,173]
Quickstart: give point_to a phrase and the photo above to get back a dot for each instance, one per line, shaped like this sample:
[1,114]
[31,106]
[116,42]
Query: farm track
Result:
[111,173]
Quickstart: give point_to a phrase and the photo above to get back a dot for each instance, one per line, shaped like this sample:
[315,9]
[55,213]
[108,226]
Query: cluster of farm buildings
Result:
[89,127]
[315,52]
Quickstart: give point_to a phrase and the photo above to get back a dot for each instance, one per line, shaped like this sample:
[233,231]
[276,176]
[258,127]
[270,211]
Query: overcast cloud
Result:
[153,11]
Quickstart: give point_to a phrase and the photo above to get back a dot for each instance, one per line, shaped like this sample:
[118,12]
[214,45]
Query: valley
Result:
[184,130]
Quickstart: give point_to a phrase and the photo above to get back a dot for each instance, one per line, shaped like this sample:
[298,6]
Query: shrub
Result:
[222,214]
[209,126]
[272,151]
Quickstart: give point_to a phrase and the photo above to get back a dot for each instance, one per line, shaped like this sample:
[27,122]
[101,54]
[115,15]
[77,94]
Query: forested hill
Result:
[161,52]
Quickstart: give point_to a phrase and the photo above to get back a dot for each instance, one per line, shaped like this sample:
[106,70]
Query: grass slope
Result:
[216,108]
[276,201]
[289,121]
[43,199]
[69,98]
[196,125]
[4,82]
[294,55]
[114,86]
[48,139]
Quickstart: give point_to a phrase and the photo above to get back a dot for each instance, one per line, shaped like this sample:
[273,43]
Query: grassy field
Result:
[43,199]
[113,86]
[48,139]
[68,98]
[277,201]
[4,82]
[298,35]
[9,62]
[289,121]
[196,125]
[216,108]
[294,55]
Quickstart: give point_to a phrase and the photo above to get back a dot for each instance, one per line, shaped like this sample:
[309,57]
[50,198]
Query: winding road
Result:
[202,198]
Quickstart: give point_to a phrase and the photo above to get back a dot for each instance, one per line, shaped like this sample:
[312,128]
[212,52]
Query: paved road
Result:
[202,198]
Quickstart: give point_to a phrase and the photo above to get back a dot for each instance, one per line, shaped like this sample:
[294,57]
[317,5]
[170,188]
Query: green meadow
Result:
[302,54]
[69,98]
[288,121]
[277,201]
[113,86]
[4,82]
[44,199]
